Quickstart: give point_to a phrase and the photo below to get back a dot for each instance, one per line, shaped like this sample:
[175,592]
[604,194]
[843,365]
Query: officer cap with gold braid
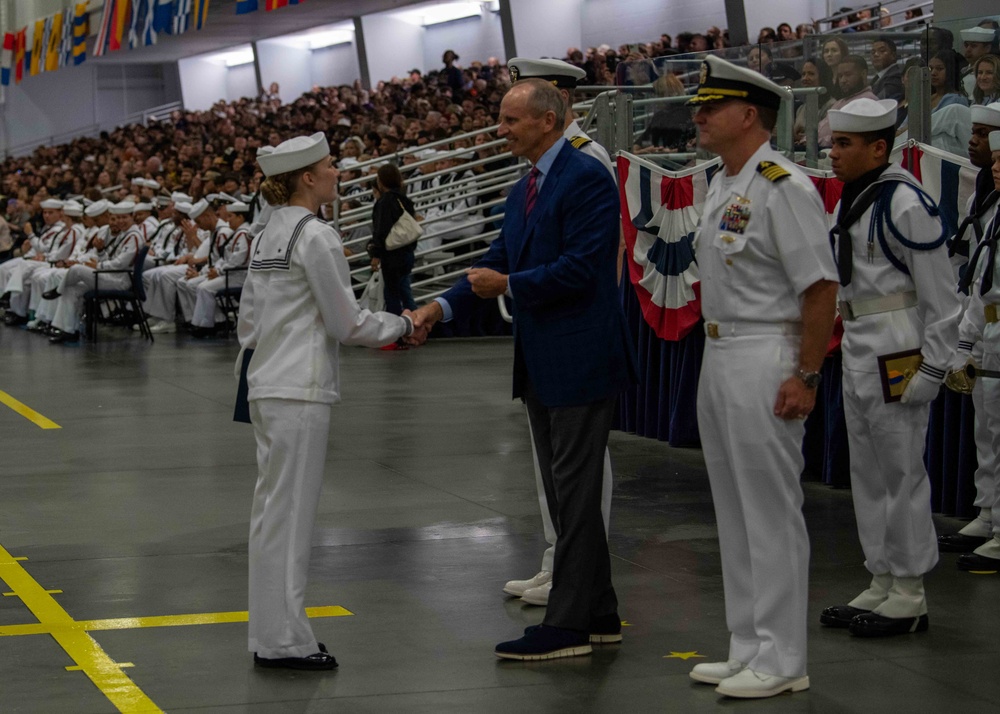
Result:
[562,74]
[721,80]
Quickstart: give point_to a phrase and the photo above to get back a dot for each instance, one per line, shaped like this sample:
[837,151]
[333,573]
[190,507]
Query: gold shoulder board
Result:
[579,142]
[772,171]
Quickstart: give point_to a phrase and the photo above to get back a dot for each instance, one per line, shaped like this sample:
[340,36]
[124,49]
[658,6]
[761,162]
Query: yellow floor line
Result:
[27,412]
[81,647]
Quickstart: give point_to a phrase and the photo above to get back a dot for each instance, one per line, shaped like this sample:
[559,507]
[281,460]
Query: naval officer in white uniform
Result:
[297,308]
[897,295]
[768,286]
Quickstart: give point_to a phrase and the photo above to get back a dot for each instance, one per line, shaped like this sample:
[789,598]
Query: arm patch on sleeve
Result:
[772,171]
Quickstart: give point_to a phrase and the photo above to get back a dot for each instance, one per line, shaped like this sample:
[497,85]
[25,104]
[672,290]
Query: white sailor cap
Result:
[721,80]
[153,184]
[995,141]
[182,206]
[562,74]
[142,206]
[52,203]
[978,34]
[162,201]
[988,114]
[347,162]
[425,154]
[72,208]
[96,208]
[122,207]
[221,196]
[180,196]
[293,154]
[138,181]
[237,207]
[861,115]
[198,208]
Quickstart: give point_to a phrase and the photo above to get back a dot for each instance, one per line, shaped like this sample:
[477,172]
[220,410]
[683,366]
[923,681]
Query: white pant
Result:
[754,461]
[889,484]
[206,311]
[78,280]
[291,452]
[45,310]
[19,284]
[988,417]
[187,295]
[161,291]
[7,270]
[548,557]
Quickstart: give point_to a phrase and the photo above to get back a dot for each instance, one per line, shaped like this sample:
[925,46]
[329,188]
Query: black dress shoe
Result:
[52,294]
[874,625]
[979,563]
[62,337]
[958,543]
[605,629]
[319,661]
[840,615]
[13,319]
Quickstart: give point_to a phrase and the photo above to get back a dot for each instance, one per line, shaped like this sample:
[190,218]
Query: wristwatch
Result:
[810,379]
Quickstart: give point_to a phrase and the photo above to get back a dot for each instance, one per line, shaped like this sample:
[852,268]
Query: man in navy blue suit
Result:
[555,258]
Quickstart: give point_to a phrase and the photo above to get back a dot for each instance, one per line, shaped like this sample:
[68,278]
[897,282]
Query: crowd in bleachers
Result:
[202,163]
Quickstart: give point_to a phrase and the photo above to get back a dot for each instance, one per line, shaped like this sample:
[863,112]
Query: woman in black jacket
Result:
[395,265]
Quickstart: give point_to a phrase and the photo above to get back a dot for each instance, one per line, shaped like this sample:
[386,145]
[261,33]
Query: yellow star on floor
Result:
[683,655]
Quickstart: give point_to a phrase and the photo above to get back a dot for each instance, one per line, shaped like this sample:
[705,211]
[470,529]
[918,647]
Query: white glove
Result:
[922,389]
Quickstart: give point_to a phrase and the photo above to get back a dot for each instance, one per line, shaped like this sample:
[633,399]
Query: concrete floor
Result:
[138,507]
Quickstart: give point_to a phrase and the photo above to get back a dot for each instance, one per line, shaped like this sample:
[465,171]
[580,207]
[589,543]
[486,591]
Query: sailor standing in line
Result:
[897,296]
[564,76]
[768,287]
[982,317]
[297,308]
[982,205]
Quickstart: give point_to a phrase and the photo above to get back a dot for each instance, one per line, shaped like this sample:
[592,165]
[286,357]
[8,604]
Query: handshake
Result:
[423,320]
[485,283]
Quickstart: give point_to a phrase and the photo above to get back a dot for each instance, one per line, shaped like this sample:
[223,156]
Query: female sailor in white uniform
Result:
[296,309]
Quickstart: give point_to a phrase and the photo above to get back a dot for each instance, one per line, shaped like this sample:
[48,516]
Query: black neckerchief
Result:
[840,235]
[853,189]
[984,187]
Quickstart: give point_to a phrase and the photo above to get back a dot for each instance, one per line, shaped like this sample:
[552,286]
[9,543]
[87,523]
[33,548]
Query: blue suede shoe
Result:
[545,642]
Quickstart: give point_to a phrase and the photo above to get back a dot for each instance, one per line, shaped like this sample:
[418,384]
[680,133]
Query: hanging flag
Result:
[114,21]
[274,4]
[20,42]
[245,6]
[141,32]
[660,212]
[199,13]
[181,16]
[7,59]
[163,17]
[121,20]
[66,39]
[36,63]
[81,28]
[53,44]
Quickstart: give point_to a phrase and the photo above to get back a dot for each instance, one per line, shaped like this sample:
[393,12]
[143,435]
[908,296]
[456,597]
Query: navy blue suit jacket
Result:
[569,329]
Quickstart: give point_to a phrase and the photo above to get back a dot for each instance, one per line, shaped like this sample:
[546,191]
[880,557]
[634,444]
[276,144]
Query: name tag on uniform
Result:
[736,216]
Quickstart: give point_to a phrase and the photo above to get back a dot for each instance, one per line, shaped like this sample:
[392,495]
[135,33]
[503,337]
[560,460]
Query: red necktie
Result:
[532,195]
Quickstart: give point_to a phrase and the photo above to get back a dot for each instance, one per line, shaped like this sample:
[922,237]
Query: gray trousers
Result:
[570,443]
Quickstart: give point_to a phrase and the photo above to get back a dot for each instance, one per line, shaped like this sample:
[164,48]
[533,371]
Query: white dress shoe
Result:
[715,672]
[538,596]
[517,587]
[164,327]
[756,685]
